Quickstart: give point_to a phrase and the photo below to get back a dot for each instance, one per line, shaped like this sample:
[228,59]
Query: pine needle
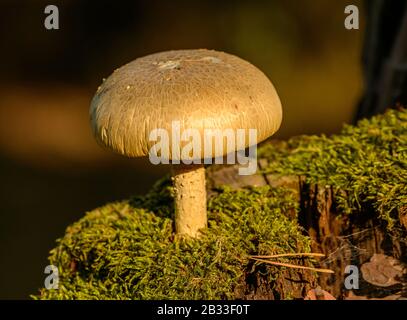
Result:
[309,254]
[288,265]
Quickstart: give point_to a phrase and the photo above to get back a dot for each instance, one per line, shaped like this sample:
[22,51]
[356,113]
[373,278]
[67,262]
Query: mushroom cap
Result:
[200,89]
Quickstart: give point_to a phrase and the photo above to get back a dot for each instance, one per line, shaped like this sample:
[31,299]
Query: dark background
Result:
[51,169]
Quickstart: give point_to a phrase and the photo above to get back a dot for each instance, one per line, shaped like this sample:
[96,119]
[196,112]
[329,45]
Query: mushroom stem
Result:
[190,199]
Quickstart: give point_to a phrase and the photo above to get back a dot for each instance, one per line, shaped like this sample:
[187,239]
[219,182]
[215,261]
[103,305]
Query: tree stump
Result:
[344,239]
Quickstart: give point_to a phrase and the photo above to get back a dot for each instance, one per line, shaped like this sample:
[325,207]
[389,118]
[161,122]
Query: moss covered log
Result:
[352,190]
[312,192]
[365,165]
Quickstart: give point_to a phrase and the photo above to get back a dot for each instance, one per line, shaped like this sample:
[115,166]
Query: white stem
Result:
[190,199]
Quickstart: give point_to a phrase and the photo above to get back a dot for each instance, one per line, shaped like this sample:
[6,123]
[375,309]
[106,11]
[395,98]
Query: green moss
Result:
[125,250]
[365,165]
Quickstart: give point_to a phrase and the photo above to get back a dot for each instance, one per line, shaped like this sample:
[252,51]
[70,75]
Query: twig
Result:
[290,255]
[288,265]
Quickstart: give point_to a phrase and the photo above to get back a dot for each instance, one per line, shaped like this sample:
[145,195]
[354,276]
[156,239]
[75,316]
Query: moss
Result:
[366,165]
[125,250]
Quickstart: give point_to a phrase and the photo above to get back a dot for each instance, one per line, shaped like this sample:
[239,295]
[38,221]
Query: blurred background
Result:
[51,169]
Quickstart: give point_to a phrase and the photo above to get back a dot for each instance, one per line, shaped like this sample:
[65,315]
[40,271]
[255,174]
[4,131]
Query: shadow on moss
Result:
[160,199]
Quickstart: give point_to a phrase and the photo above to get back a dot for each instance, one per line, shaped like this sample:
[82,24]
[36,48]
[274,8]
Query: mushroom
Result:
[198,89]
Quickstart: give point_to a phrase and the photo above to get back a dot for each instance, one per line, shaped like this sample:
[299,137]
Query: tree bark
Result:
[344,239]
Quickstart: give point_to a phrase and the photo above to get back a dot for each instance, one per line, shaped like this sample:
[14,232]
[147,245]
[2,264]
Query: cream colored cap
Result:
[201,89]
